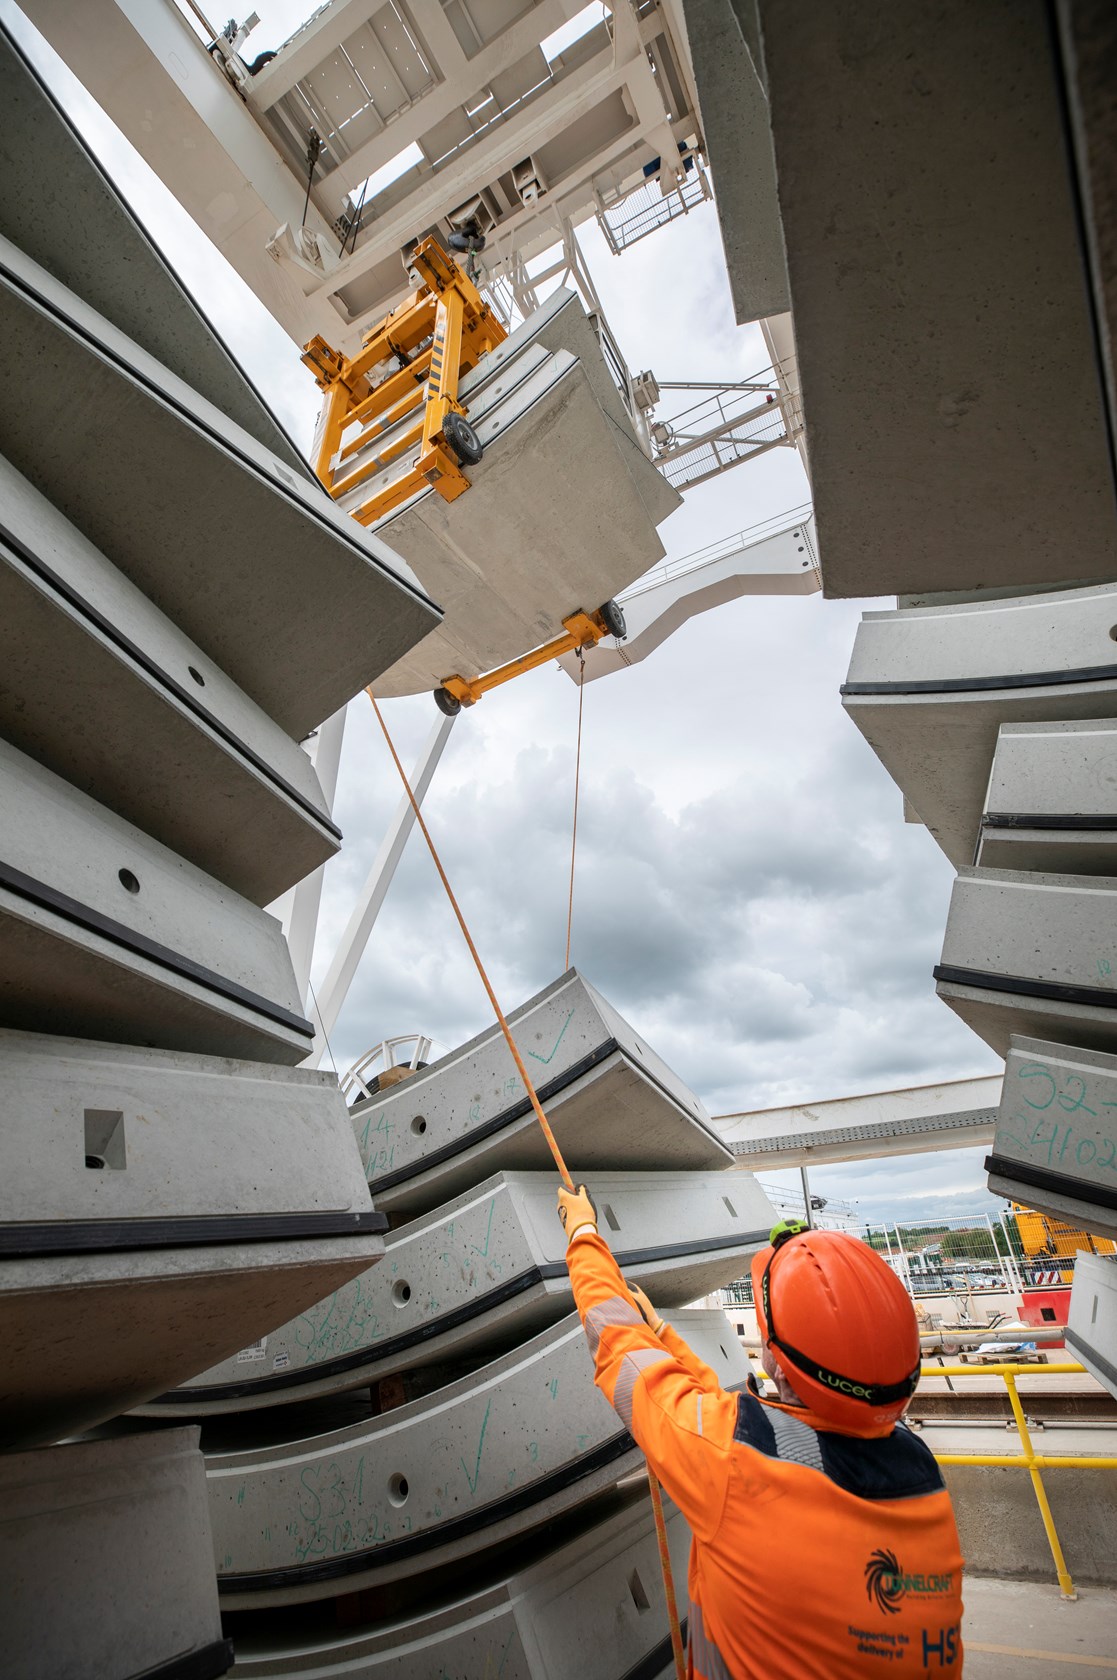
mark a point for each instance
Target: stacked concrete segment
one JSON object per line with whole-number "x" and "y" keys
{"x": 480, "y": 1272}
{"x": 959, "y": 390}
{"x": 483, "y": 1435}
{"x": 585, "y": 1608}
{"x": 179, "y": 604}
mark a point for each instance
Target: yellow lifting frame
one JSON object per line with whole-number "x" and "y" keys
{"x": 581, "y": 629}
{"x": 437, "y": 335}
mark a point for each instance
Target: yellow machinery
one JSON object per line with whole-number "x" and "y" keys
{"x": 410, "y": 364}
{"x": 1043, "y": 1238}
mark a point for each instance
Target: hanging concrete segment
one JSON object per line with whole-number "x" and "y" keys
{"x": 1052, "y": 799}
{"x": 495, "y": 1455}
{"x": 99, "y": 1516}
{"x": 144, "y": 716}
{"x": 929, "y": 688}
{"x": 1055, "y": 1143}
{"x": 592, "y": 1606}
{"x": 614, "y": 1104}
{"x": 142, "y": 441}
{"x": 1031, "y": 954}
{"x": 486, "y": 1270}
{"x": 518, "y": 554}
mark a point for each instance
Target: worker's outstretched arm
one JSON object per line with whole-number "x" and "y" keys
{"x": 662, "y": 1393}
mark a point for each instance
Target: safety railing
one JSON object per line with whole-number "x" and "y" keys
{"x": 1027, "y": 1459}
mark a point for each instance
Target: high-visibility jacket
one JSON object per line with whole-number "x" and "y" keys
{"x": 817, "y": 1555}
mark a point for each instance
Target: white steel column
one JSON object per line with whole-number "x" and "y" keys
{"x": 300, "y": 917}
{"x": 339, "y": 977}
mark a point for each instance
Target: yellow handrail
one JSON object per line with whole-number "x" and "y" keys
{"x": 1028, "y": 1459}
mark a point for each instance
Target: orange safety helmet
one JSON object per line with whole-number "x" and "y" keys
{"x": 841, "y": 1323}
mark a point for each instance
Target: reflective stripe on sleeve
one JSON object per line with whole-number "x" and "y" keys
{"x": 616, "y": 1310}
{"x": 707, "y": 1662}
{"x": 632, "y": 1365}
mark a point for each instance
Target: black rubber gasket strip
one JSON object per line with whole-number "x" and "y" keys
{"x": 1094, "y": 996}
{"x": 979, "y": 685}
{"x": 1061, "y": 1184}
{"x": 61, "y": 904}
{"x": 409, "y": 1545}
{"x": 1084, "y": 1351}
{"x": 206, "y": 1662}
{"x": 576, "y": 1071}
{"x": 476, "y": 1307}
{"x": 117, "y": 1236}
{"x": 505, "y": 1118}
{"x": 294, "y": 491}
{"x": 1095, "y": 822}
{"x": 124, "y": 644}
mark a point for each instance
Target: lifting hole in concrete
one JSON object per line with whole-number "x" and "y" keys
{"x": 401, "y": 1293}
{"x": 1094, "y": 1311}
{"x": 729, "y": 1205}
{"x": 1113, "y": 632}
{"x": 639, "y": 1595}
{"x": 104, "y": 1139}
{"x": 197, "y": 676}
{"x": 128, "y": 881}
{"x": 418, "y": 1125}
{"x": 398, "y": 1490}
{"x": 611, "y": 1219}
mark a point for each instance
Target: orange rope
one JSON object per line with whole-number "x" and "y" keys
{"x": 577, "y": 784}
{"x": 668, "y": 1575}
{"x": 564, "y": 1174}
{"x": 516, "y": 1057}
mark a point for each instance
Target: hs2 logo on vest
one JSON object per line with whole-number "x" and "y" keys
{"x": 886, "y": 1583}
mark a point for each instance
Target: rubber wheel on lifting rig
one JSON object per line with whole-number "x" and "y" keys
{"x": 612, "y": 616}
{"x": 448, "y": 704}
{"x": 463, "y": 440}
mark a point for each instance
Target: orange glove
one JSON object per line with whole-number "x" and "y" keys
{"x": 577, "y": 1212}
{"x": 650, "y": 1316}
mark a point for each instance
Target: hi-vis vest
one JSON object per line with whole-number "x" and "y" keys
{"x": 815, "y": 1555}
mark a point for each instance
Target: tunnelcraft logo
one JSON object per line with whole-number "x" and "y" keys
{"x": 886, "y": 1584}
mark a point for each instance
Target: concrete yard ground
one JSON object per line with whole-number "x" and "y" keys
{"x": 1024, "y": 1630}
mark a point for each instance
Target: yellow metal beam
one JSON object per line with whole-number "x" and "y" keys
{"x": 582, "y": 629}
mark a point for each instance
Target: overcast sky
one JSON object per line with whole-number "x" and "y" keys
{"x": 747, "y": 893}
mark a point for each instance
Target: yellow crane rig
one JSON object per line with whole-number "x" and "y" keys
{"x": 411, "y": 364}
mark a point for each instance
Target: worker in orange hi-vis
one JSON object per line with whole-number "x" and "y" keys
{"x": 824, "y": 1540}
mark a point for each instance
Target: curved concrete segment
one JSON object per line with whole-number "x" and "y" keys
{"x": 549, "y": 417}
{"x": 115, "y": 1134}
{"x": 491, "y": 1457}
{"x": 76, "y": 225}
{"x": 592, "y": 1607}
{"x": 488, "y": 1269}
{"x": 1092, "y": 1321}
{"x": 106, "y": 934}
{"x": 105, "y": 1555}
{"x": 929, "y": 688}
{"x": 614, "y": 1103}
{"x": 1034, "y": 955}
{"x": 89, "y": 1335}
{"x": 144, "y": 717}
{"x": 945, "y": 343}
{"x": 216, "y": 531}
{"x": 1052, "y": 800}
{"x": 1055, "y": 1143}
